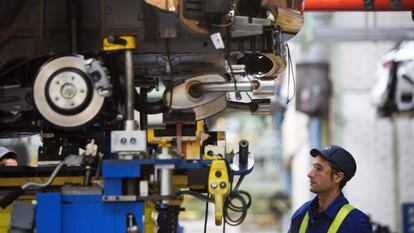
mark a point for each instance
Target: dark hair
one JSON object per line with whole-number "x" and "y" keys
{"x": 335, "y": 170}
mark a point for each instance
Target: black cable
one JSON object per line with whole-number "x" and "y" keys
{"x": 226, "y": 51}
{"x": 229, "y": 24}
{"x": 239, "y": 182}
{"x": 206, "y": 217}
{"x": 11, "y": 69}
{"x": 246, "y": 91}
{"x": 195, "y": 194}
{"x": 230, "y": 204}
{"x": 290, "y": 71}
{"x": 232, "y": 20}
{"x": 167, "y": 45}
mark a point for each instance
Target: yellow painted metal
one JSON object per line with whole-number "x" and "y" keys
{"x": 129, "y": 44}
{"x": 19, "y": 181}
{"x": 150, "y": 225}
{"x": 199, "y": 127}
{"x": 5, "y": 219}
{"x": 151, "y": 136}
{"x": 221, "y": 136}
{"x": 180, "y": 181}
{"x": 191, "y": 149}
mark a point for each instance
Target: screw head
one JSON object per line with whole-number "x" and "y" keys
{"x": 133, "y": 140}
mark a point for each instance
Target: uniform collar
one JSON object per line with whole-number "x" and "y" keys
{"x": 332, "y": 209}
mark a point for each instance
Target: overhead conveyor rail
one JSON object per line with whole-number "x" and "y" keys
{"x": 358, "y": 5}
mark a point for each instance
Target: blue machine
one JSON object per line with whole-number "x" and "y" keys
{"x": 58, "y": 213}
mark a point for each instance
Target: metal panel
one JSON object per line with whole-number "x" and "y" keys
{"x": 121, "y": 168}
{"x": 113, "y": 186}
{"x": 83, "y": 213}
{"x": 48, "y": 213}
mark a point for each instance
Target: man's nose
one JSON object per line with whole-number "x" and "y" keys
{"x": 311, "y": 174}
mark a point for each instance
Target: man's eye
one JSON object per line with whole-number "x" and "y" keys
{"x": 317, "y": 168}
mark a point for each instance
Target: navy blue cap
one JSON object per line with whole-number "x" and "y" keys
{"x": 340, "y": 157}
{"x": 6, "y": 153}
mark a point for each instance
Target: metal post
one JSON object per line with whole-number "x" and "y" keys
{"x": 225, "y": 87}
{"x": 130, "y": 124}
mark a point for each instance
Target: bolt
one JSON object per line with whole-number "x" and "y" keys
{"x": 223, "y": 185}
{"x": 133, "y": 140}
{"x": 123, "y": 140}
{"x": 119, "y": 117}
{"x": 214, "y": 184}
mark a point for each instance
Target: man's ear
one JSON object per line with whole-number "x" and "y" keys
{"x": 338, "y": 177}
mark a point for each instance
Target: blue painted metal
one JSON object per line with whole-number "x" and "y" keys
{"x": 110, "y": 167}
{"x": 57, "y": 213}
{"x": 83, "y": 213}
{"x": 121, "y": 168}
{"x": 408, "y": 217}
{"x": 48, "y": 213}
{"x": 113, "y": 186}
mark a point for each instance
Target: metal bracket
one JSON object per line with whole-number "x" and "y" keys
{"x": 128, "y": 141}
{"x": 134, "y": 198}
{"x": 22, "y": 217}
{"x": 369, "y": 4}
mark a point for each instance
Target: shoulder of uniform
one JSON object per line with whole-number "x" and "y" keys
{"x": 358, "y": 213}
{"x": 301, "y": 210}
{"x": 358, "y": 221}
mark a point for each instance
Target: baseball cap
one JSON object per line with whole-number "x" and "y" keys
{"x": 6, "y": 153}
{"x": 340, "y": 157}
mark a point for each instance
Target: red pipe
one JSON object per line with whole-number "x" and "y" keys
{"x": 355, "y": 5}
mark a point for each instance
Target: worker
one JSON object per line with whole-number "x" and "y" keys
{"x": 7, "y": 157}
{"x": 329, "y": 211}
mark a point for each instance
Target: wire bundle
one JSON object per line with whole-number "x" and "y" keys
{"x": 237, "y": 203}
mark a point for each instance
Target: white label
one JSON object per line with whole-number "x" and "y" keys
{"x": 217, "y": 40}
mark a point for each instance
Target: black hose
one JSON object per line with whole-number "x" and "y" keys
{"x": 10, "y": 197}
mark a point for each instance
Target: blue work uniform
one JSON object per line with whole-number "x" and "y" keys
{"x": 355, "y": 222}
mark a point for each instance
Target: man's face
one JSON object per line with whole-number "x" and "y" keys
{"x": 9, "y": 162}
{"x": 321, "y": 180}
